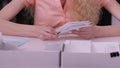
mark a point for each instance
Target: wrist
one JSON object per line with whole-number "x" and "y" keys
{"x": 103, "y": 31}
{"x": 34, "y": 31}
{"x": 98, "y": 32}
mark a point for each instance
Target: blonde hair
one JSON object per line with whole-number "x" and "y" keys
{"x": 86, "y": 10}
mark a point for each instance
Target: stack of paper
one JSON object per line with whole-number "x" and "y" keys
{"x": 72, "y": 26}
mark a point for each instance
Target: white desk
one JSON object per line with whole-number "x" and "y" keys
{"x": 91, "y": 60}
{"x": 33, "y": 54}
{"x": 36, "y": 48}
{"x": 35, "y": 44}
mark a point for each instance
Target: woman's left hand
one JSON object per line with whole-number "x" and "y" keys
{"x": 86, "y": 32}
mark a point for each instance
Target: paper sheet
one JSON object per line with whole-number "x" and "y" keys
{"x": 106, "y": 47}
{"x": 72, "y": 26}
{"x": 82, "y": 46}
{"x": 87, "y": 46}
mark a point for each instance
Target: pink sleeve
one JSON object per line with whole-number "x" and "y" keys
{"x": 28, "y": 2}
{"x": 103, "y": 2}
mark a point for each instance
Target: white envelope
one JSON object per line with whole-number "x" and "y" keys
{"x": 72, "y": 26}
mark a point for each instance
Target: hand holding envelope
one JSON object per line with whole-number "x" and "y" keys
{"x": 72, "y": 26}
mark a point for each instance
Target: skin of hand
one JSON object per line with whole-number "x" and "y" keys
{"x": 45, "y": 33}
{"x": 91, "y": 32}
{"x": 42, "y": 32}
{"x": 86, "y": 32}
{"x": 102, "y": 31}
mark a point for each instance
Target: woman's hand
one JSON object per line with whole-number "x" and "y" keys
{"x": 45, "y": 32}
{"x": 86, "y": 32}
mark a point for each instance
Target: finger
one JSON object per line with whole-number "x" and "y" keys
{"x": 42, "y": 36}
{"x": 75, "y": 32}
{"x": 86, "y": 28}
{"x": 79, "y": 32}
{"x": 50, "y": 30}
{"x": 49, "y": 36}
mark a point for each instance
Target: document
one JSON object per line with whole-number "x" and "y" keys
{"x": 82, "y": 46}
{"x": 87, "y": 46}
{"x": 106, "y": 47}
{"x": 72, "y": 26}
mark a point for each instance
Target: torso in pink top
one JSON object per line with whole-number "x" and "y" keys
{"x": 51, "y": 13}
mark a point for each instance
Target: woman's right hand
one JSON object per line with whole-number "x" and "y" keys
{"x": 44, "y": 32}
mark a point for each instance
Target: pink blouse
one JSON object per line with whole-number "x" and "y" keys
{"x": 51, "y": 13}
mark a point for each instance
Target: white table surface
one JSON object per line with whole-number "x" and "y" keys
{"x": 36, "y": 44}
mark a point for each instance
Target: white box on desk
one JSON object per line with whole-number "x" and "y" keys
{"x": 48, "y": 58}
{"x": 80, "y": 59}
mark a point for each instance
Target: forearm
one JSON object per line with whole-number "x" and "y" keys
{"x": 9, "y": 28}
{"x": 107, "y": 31}
{"x": 11, "y": 9}
{"x": 114, "y": 8}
